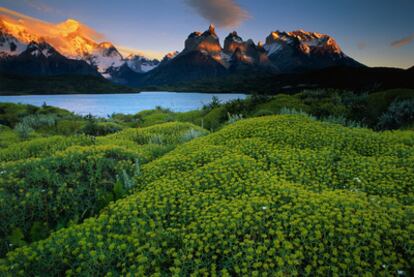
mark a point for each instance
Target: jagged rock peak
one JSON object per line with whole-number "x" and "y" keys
{"x": 207, "y": 42}
{"x": 212, "y": 29}
{"x": 170, "y": 55}
{"x": 233, "y": 36}
{"x": 307, "y": 41}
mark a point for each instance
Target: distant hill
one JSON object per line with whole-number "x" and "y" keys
{"x": 19, "y": 85}
{"x": 350, "y": 78}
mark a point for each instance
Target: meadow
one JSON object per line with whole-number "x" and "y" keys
{"x": 316, "y": 183}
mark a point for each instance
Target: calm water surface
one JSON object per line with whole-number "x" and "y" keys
{"x": 106, "y": 104}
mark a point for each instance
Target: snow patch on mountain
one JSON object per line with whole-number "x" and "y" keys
{"x": 141, "y": 64}
{"x": 9, "y": 46}
{"x": 272, "y": 48}
{"x": 104, "y": 56}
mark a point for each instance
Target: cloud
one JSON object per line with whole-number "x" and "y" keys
{"x": 223, "y": 13}
{"x": 403, "y": 41}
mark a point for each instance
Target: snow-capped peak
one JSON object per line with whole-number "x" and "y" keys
{"x": 306, "y": 41}
{"x": 141, "y": 64}
{"x": 104, "y": 56}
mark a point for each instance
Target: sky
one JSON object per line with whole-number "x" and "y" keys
{"x": 374, "y": 32}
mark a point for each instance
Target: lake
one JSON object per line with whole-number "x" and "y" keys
{"x": 103, "y": 105}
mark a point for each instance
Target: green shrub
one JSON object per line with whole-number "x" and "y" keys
{"x": 171, "y": 133}
{"x": 399, "y": 113}
{"x": 71, "y": 185}
{"x": 195, "y": 117}
{"x": 357, "y": 106}
{"x": 56, "y": 189}
{"x": 278, "y": 196}
{"x": 343, "y": 121}
{"x": 262, "y": 112}
{"x": 153, "y": 117}
{"x": 8, "y": 137}
{"x": 286, "y": 111}
{"x": 214, "y": 103}
{"x": 378, "y": 102}
{"x": 275, "y": 104}
{"x": 233, "y": 118}
{"x": 192, "y": 134}
{"x": 69, "y": 127}
{"x": 11, "y": 114}
{"x": 23, "y": 130}
{"x": 40, "y": 120}
{"x": 42, "y": 147}
{"x": 215, "y": 118}
{"x": 95, "y": 128}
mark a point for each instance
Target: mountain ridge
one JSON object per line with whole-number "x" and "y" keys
{"x": 203, "y": 57}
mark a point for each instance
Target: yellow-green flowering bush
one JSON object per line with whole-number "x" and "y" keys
{"x": 40, "y": 192}
{"x": 41, "y": 147}
{"x": 272, "y": 196}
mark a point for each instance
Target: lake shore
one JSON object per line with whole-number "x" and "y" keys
{"x": 102, "y": 105}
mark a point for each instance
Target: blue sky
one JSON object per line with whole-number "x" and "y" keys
{"x": 365, "y": 29}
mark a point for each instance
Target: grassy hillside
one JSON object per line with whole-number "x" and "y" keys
{"x": 278, "y": 195}
{"x": 21, "y": 85}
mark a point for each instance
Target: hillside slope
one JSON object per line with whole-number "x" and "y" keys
{"x": 282, "y": 195}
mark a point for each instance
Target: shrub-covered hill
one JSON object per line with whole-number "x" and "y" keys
{"x": 49, "y": 183}
{"x": 271, "y": 196}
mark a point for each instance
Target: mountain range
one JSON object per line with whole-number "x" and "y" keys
{"x": 70, "y": 50}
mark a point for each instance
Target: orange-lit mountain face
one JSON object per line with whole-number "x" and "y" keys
{"x": 308, "y": 42}
{"x": 71, "y": 38}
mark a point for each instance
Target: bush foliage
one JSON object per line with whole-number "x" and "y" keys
{"x": 54, "y": 182}
{"x": 283, "y": 195}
